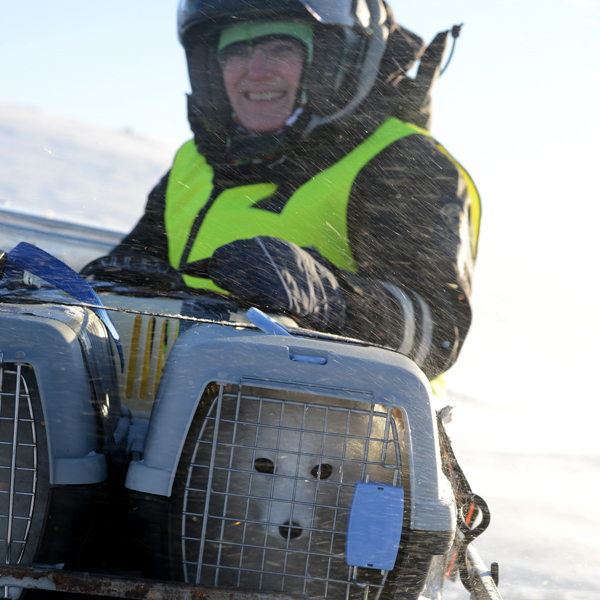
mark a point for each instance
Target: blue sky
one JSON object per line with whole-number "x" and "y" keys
{"x": 118, "y": 63}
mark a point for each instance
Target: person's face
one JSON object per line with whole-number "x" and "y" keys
{"x": 262, "y": 81}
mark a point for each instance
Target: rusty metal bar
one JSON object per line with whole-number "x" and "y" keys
{"x": 483, "y": 585}
{"x": 123, "y": 587}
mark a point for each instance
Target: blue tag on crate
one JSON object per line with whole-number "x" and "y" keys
{"x": 374, "y": 525}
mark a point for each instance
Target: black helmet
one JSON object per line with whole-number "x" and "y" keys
{"x": 350, "y": 41}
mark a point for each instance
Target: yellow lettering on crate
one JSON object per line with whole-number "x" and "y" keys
{"x": 133, "y": 354}
{"x": 147, "y": 358}
{"x": 162, "y": 353}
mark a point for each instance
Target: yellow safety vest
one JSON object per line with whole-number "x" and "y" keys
{"x": 315, "y": 215}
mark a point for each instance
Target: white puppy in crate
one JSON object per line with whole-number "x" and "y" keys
{"x": 285, "y": 465}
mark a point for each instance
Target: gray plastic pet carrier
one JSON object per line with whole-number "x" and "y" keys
{"x": 57, "y": 412}
{"x": 292, "y": 464}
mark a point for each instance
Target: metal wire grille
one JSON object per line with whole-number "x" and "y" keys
{"x": 269, "y": 490}
{"x": 18, "y": 464}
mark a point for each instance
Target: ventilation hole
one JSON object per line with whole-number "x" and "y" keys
{"x": 293, "y": 532}
{"x": 326, "y": 471}
{"x": 264, "y": 465}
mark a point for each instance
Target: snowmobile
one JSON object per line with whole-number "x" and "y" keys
{"x": 165, "y": 444}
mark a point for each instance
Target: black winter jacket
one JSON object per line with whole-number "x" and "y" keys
{"x": 409, "y": 232}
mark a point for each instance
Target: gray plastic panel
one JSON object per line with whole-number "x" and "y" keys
{"x": 45, "y": 338}
{"x": 213, "y": 353}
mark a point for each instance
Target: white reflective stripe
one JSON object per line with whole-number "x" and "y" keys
{"x": 408, "y": 338}
{"x": 312, "y": 297}
{"x": 427, "y": 327}
{"x": 285, "y": 287}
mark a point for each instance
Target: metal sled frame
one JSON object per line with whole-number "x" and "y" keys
{"x": 484, "y": 587}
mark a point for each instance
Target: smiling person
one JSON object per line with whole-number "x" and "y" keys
{"x": 312, "y": 186}
{"x": 262, "y": 64}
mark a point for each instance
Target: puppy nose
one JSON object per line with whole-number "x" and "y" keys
{"x": 290, "y": 530}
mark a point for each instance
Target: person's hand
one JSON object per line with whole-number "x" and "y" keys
{"x": 134, "y": 270}
{"x": 279, "y": 276}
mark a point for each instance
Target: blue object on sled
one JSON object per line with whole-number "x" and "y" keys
{"x": 27, "y": 257}
{"x": 374, "y": 525}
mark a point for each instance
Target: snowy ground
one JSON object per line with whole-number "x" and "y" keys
{"x": 72, "y": 171}
{"x": 526, "y": 407}
{"x": 545, "y": 522}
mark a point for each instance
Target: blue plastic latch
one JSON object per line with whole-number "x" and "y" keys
{"x": 265, "y": 322}
{"x": 315, "y": 360}
{"x": 374, "y": 525}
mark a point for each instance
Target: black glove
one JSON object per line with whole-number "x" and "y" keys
{"x": 134, "y": 270}
{"x": 279, "y": 276}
